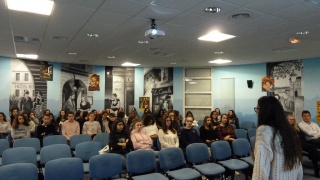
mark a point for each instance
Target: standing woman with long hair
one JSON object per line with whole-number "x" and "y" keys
{"x": 277, "y": 148}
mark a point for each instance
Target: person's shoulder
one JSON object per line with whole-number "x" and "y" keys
{"x": 265, "y": 128}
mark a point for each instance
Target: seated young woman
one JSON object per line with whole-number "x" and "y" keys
{"x": 168, "y": 136}
{"x": 188, "y": 134}
{"x": 119, "y": 138}
{"x": 151, "y": 129}
{"x": 139, "y": 138}
{"x": 224, "y": 130}
{"x": 207, "y": 132}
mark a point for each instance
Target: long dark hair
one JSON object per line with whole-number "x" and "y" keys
{"x": 147, "y": 119}
{"x": 165, "y": 128}
{"x": 16, "y": 123}
{"x": 114, "y": 126}
{"x": 271, "y": 113}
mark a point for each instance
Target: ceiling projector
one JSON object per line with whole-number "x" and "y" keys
{"x": 153, "y": 32}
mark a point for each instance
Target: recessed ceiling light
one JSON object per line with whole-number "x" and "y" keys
{"x": 240, "y": 16}
{"x": 111, "y": 57}
{"x": 220, "y": 61}
{"x": 27, "y": 56}
{"x": 192, "y": 82}
{"x": 212, "y": 9}
{"x": 93, "y": 35}
{"x": 218, "y": 52}
{"x": 130, "y": 64}
{"x": 294, "y": 40}
{"x": 31, "y": 6}
{"x": 216, "y": 36}
{"x": 173, "y": 63}
{"x": 72, "y": 53}
{"x": 302, "y": 33}
{"x": 143, "y": 42}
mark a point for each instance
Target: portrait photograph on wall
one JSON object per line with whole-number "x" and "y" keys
{"x": 143, "y": 103}
{"x": 119, "y": 89}
{"x": 267, "y": 84}
{"x": 158, "y": 84}
{"x": 46, "y": 72}
{"x": 288, "y": 86}
{"x": 94, "y": 84}
{"x": 28, "y": 91}
{"x": 74, "y": 86}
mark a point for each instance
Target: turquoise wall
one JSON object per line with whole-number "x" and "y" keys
{"x": 5, "y": 74}
{"x": 311, "y": 74}
{"x": 245, "y": 98}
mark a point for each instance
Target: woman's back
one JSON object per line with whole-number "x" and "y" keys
{"x": 269, "y": 159}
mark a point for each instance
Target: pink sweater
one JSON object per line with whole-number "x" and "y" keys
{"x": 140, "y": 140}
{"x": 70, "y": 129}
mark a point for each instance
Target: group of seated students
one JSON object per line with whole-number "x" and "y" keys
{"x": 129, "y": 132}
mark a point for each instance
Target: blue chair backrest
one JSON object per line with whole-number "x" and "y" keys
{"x": 251, "y": 132}
{"x": 25, "y": 171}
{"x": 241, "y": 147}
{"x": 54, "y": 151}
{"x": 76, "y": 139}
{"x": 220, "y": 150}
{"x": 99, "y": 163}
{"x": 247, "y": 125}
{"x": 197, "y": 153}
{"x": 140, "y": 161}
{"x": 197, "y": 128}
{"x": 19, "y": 155}
{"x": 103, "y": 138}
{"x": 234, "y": 126}
{"x": 28, "y": 142}
{"x": 171, "y": 158}
{"x": 86, "y": 150}
{"x": 200, "y": 123}
{"x": 55, "y": 139}
{"x": 4, "y": 144}
{"x": 252, "y": 141}
{"x": 241, "y": 133}
{"x": 64, "y": 168}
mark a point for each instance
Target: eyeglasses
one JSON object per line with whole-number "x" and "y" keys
{"x": 256, "y": 109}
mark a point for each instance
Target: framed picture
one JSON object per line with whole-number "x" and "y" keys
{"x": 90, "y": 99}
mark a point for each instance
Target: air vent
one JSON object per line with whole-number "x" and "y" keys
{"x": 240, "y": 16}
{"x": 23, "y": 39}
{"x": 59, "y": 37}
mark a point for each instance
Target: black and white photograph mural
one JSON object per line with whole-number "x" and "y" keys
{"x": 74, "y": 81}
{"x": 158, "y": 85}
{"x": 288, "y": 87}
{"x": 119, "y": 89}
{"x": 28, "y": 90}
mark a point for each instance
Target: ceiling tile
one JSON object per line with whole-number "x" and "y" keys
{"x": 109, "y": 18}
{"x": 271, "y": 6}
{"x": 72, "y": 12}
{"x": 125, "y": 7}
{"x": 92, "y": 4}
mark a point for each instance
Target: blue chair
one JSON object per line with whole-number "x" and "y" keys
{"x": 103, "y": 138}
{"x": 19, "y": 155}
{"x": 54, "y": 151}
{"x": 200, "y": 122}
{"x": 241, "y": 133}
{"x": 252, "y": 141}
{"x": 221, "y": 153}
{"x": 242, "y": 149}
{"x": 99, "y": 163}
{"x": 251, "y": 132}
{"x": 64, "y": 168}
{"x": 55, "y": 139}
{"x": 197, "y": 128}
{"x": 25, "y": 171}
{"x": 4, "y": 145}
{"x": 29, "y": 142}
{"x": 247, "y": 125}
{"x": 172, "y": 162}
{"x": 86, "y": 150}
{"x": 198, "y": 155}
{"x": 141, "y": 165}
{"x": 234, "y": 126}
{"x": 76, "y": 139}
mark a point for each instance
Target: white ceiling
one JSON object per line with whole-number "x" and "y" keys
{"x": 120, "y": 24}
